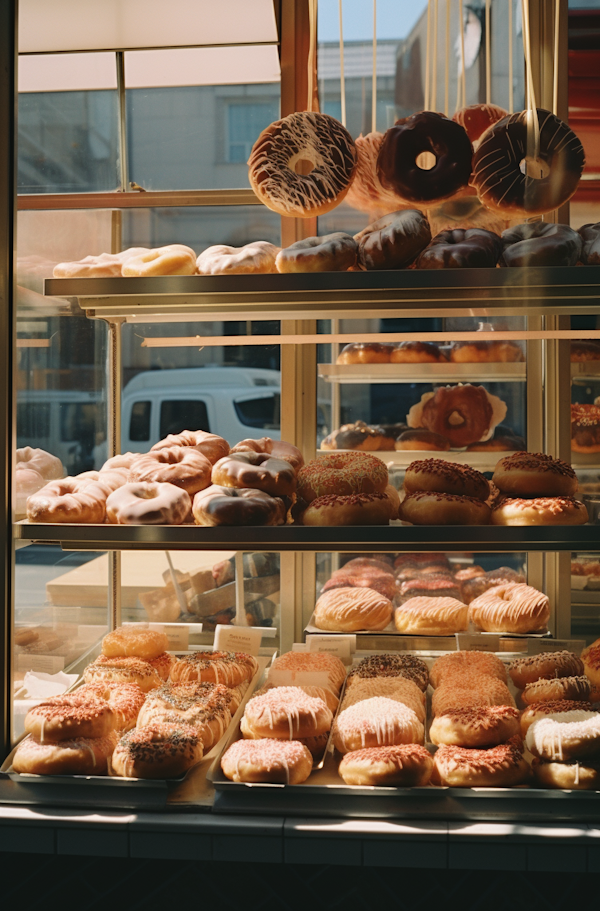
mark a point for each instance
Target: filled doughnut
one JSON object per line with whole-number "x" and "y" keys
{"x": 276, "y": 761}
{"x": 461, "y": 249}
{"x": 476, "y": 728}
{"x": 297, "y": 664}
{"x": 175, "y": 259}
{"x": 439, "y": 476}
{"x": 403, "y": 766}
{"x": 183, "y": 466}
{"x": 540, "y": 243}
{"x": 350, "y": 609}
{"x": 486, "y": 353}
{"x": 422, "y": 440}
{"x": 303, "y": 136}
{"x": 544, "y": 666}
{"x": 342, "y": 474}
{"x": 157, "y": 751}
{"x": 286, "y": 712}
{"x": 134, "y": 642}
{"x": 407, "y": 666}
{"x": 463, "y": 414}
{"x": 500, "y": 173}
{"x": 352, "y": 509}
{"x": 122, "y": 670}
{"x": 365, "y": 353}
{"x": 237, "y": 506}
{"x": 331, "y": 253}
{"x": 253, "y": 258}
{"x": 366, "y": 193}
{"x": 425, "y": 508}
{"x": 209, "y": 444}
{"x": 80, "y": 756}
{"x": 569, "y": 776}
{"x": 393, "y": 241}
{"x": 374, "y": 722}
{"x": 148, "y": 503}
{"x": 68, "y": 716}
{"x": 68, "y": 500}
{"x": 477, "y": 118}
{"x": 417, "y": 353}
{"x": 256, "y": 470}
{"x": 564, "y": 737}
{"x": 590, "y": 251}
{"x": 576, "y": 688}
{"x": 230, "y": 668}
{"x": 502, "y": 766}
{"x": 279, "y": 449}
{"x": 534, "y": 474}
{"x": 447, "y": 141}
{"x": 539, "y": 710}
{"x": 540, "y": 511}
{"x": 510, "y": 608}
{"x": 399, "y": 688}
{"x": 457, "y": 663}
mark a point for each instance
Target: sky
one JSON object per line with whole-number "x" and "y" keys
{"x": 395, "y": 18}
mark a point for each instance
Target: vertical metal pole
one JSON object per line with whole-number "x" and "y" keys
{"x": 114, "y": 384}
{"x": 123, "y": 164}
{"x": 535, "y": 430}
{"x": 8, "y": 170}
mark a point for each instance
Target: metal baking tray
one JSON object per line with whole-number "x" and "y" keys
{"x": 390, "y": 630}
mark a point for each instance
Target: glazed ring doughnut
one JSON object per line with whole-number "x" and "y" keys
{"x": 331, "y": 253}
{"x": 82, "y": 756}
{"x": 279, "y": 449}
{"x": 257, "y": 470}
{"x": 407, "y": 765}
{"x": 462, "y": 414}
{"x": 286, "y": 713}
{"x": 68, "y": 500}
{"x": 441, "y": 476}
{"x": 303, "y": 136}
{"x": 342, "y": 474}
{"x": 540, "y": 511}
{"x": 576, "y": 688}
{"x": 545, "y": 666}
{"x": 237, "y": 506}
{"x": 431, "y": 616}
{"x": 148, "y": 503}
{"x": 356, "y": 509}
{"x": 209, "y": 444}
{"x": 134, "y": 642}
{"x": 564, "y": 737}
{"x": 510, "y": 608}
{"x": 543, "y": 709}
{"x": 70, "y": 715}
{"x": 183, "y": 466}
{"x": 157, "y": 751}
{"x": 174, "y": 259}
{"x": 230, "y": 668}
{"x": 456, "y": 663}
{"x": 376, "y": 722}
{"x": 351, "y": 609}
{"x": 425, "y": 508}
{"x": 569, "y": 776}
{"x": 123, "y": 460}
{"x": 123, "y": 670}
{"x": 277, "y": 761}
{"x": 540, "y": 243}
{"x": 502, "y": 766}
{"x": 49, "y": 467}
{"x": 253, "y": 258}
{"x": 497, "y": 176}
{"x": 534, "y": 474}
{"x": 477, "y": 728}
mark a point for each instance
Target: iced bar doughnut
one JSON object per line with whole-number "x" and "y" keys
{"x": 175, "y": 259}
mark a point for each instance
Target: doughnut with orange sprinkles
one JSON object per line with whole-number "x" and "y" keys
{"x": 341, "y": 474}
{"x": 230, "y": 668}
{"x": 534, "y": 474}
{"x": 540, "y": 511}
{"x": 277, "y": 761}
{"x": 299, "y": 663}
{"x": 481, "y": 726}
{"x": 403, "y": 766}
{"x": 502, "y": 766}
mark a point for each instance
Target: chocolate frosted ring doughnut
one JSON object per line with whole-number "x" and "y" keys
{"x": 540, "y": 243}
{"x": 257, "y": 470}
{"x": 331, "y": 253}
{"x": 590, "y": 252}
{"x": 237, "y": 506}
{"x": 353, "y": 436}
{"x": 402, "y": 144}
{"x": 497, "y": 176}
{"x": 304, "y": 136}
{"x": 459, "y": 249}
{"x": 394, "y": 241}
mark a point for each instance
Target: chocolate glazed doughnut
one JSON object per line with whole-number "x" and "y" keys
{"x": 394, "y": 241}
{"x": 397, "y": 166}
{"x": 497, "y": 176}
{"x": 590, "y": 235}
{"x": 540, "y": 243}
{"x": 457, "y": 249}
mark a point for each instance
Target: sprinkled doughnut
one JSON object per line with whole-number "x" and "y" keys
{"x": 408, "y": 666}
{"x": 470, "y": 690}
{"x": 157, "y": 751}
{"x": 125, "y": 699}
{"x": 209, "y": 444}
{"x": 566, "y": 736}
{"x": 279, "y": 449}
{"x": 80, "y": 756}
{"x": 237, "y": 506}
{"x": 181, "y": 704}
{"x": 257, "y": 470}
{"x": 70, "y": 715}
{"x": 403, "y": 766}
{"x": 253, "y": 258}
{"x": 122, "y": 670}
{"x": 134, "y": 642}
{"x": 286, "y": 712}
{"x": 174, "y": 259}
{"x": 425, "y": 508}
{"x": 534, "y": 474}
{"x": 319, "y": 692}
{"x": 502, "y": 766}
{"x": 148, "y": 503}
{"x": 431, "y": 616}
{"x": 539, "y": 710}
{"x": 331, "y": 253}
{"x": 540, "y": 511}
{"x": 456, "y": 663}
{"x": 373, "y": 722}
{"x": 355, "y": 509}
{"x": 342, "y": 474}
{"x": 183, "y": 466}
{"x": 230, "y": 668}
{"x": 277, "y": 761}
{"x": 576, "y": 688}
{"x": 351, "y": 609}
{"x": 446, "y": 477}
{"x": 162, "y": 664}
{"x": 296, "y": 664}
{"x": 510, "y": 608}
{"x": 303, "y": 136}
{"x": 68, "y": 500}
{"x": 545, "y": 666}
{"x": 399, "y": 688}
{"x": 478, "y": 727}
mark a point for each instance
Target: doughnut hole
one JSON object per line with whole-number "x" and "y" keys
{"x": 534, "y": 167}
{"x": 426, "y": 161}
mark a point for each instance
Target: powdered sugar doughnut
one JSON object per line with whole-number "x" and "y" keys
{"x": 277, "y": 761}
{"x": 174, "y": 259}
{"x": 253, "y": 258}
{"x": 376, "y": 722}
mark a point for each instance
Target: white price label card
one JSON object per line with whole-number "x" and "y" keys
{"x": 299, "y": 647}
{"x": 341, "y": 646}
{"x": 538, "y": 646}
{"x": 48, "y": 664}
{"x": 279, "y": 677}
{"x": 237, "y": 639}
{"x": 177, "y": 634}
{"x": 474, "y": 642}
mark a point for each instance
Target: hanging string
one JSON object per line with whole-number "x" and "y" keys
{"x": 488, "y": 53}
{"x": 374, "y": 92}
{"x": 533, "y": 127}
{"x": 461, "y": 84}
{"x": 434, "y": 58}
{"x": 555, "y": 62}
{"x": 342, "y": 80}
{"x": 447, "y": 62}
{"x": 427, "y": 58}
{"x": 312, "y": 56}
{"x": 511, "y": 103}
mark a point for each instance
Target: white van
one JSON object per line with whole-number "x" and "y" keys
{"x": 67, "y": 424}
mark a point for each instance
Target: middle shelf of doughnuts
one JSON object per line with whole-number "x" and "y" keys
{"x": 425, "y": 373}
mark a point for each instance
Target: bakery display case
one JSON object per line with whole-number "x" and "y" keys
{"x": 466, "y": 365}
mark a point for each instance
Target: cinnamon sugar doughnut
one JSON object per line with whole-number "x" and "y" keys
{"x": 431, "y": 616}
{"x": 350, "y": 609}
{"x": 279, "y": 449}
{"x": 407, "y": 666}
{"x": 479, "y": 727}
{"x": 332, "y": 253}
{"x": 134, "y": 642}
{"x": 256, "y": 470}
{"x": 174, "y": 259}
{"x": 502, "y": 766}
{"x": 510, "y": 608}
{"x": 377, "y": 721}
{"x": 469, "y": 691}
{"x": 80, "y": 756}
{"x": 540, "y": 511}
{"x": 256, "y": 257}
{"x": 456, "y": 663}
{"x": 298, "y": 663}
{"x": 230, "y": 668}
{"x": 566, "y": 736}
{"x": 342, "y": 474}
{"x": 545, "y": 666}
{"x": 277, "y": 761}
{"x": 157, "y": 751}
{"x": 70, "y": 715}
{"x": 576, "y": 688}
{"x": 446, "y": 477}
{"x": 286, "y": 712}
{"x": 403, "y": 766}
{"x": 539, "y": 710}
{"x": 430, "y": 508}
{"x": 125, "y": 699}
{"x": 356, "y": 509}
{"x": 209, "y": 444}
{"x": 570, "y": 776}
{"x": 183, "y": 466}
{"x": 237, "y": 506}
{"x": 534, "y": 474}
{"x": 303, "y": 136}
{"x": 68, "y": 500}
